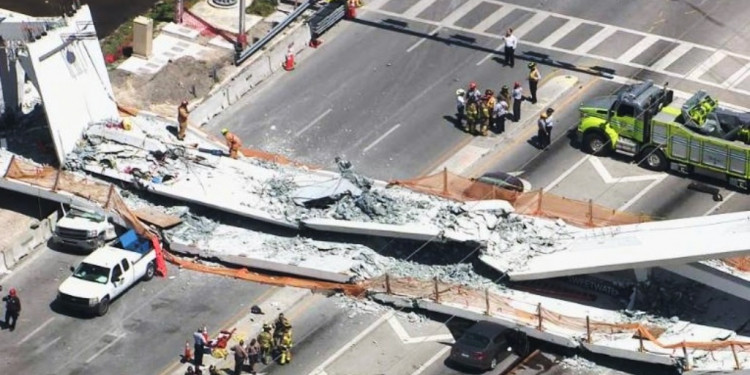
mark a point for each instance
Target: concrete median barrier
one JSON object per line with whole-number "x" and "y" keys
{"x": 26, "y": 242}
{"x": 251, "y": 74}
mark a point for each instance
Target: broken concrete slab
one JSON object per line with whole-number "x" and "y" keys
{"x": 324, "y": 193}
{"x": 643, "y": 245}
{"x": 69, "y": 72}
{"x": 715, "y": 276}
{"x": 157, "y": 218}
{"x": 411, "y": 232}
{"x": 495, "y": 205}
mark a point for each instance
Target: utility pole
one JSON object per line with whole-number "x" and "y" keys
{"x": 179, "y": 7}
{"x": 241, "y": 35}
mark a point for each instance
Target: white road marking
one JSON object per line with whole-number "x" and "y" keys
{"x": 417, "y": 8}
{"x": 381, "y": 138}
{"x": 432, "y": 360}
{"x": 487, "y": 57}
{"x": 638, "y": 48}
{"x": 706, "y": 65}
{"x": 103, "y": 349}
{"x": 675, "y": 54}
{"x": 595, "y": 40}
{"x": 460, "y": 12}
{"x": 641, "y": 193}
{"x": 719, "y": 204}
{"x": 419, "y": 42}
{"x": 43, "y": 348}
{"x": 602, "y": 171}
{"x": 374, "y": 4}
{"x": 405, "y": 338}
{"x": 313, "y": 122}
{"x": 529, "y": 25}
{"x": 737, "y": 77}
{"x": 566, "y": 173}
{"x": 493, "y": 18}
{"x": 560, "y": 33}
{"x": 35, "y": 331}
{"x": 320, "y": 370}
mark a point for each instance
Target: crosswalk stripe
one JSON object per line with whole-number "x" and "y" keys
{"x": 493, "y": 18}
{"x": 737, "y": 77}
{"x": 560, "y": 33}
{"x": 461, "y": 11}
{"x": 595, "y": 40}
{"x": 375, "y": 4}
{"x": 706, "y": 65}
{"x": 417, "y": 8}
{"x": 671, "y": 56}
{"x": 638, "y": 48}
{"x": 530, "y": 24}
{"x": 658, "y": 67}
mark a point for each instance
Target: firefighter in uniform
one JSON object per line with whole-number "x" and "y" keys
{"x": 484, "y": 115}
{"x": 182, "y": 119}
{"x": 534, "y": 77}
{"x": 280, "y": 326}
{"x": 472, "y": 115}
{"x": 491, "y": 101}
{"x": 233, "y": 143}
{"x": 265, "y": 339}
{"x": 286, "y": 346}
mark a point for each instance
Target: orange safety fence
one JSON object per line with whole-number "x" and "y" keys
{"x": 535, "y": 316}
{"x": 243, "y": 274}
{"x": 104, "y": 194}
{"x": 539, "y": 203}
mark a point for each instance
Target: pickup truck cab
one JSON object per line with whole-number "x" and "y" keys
{"x": 107, "y": 273}
{"x": 84, "y": 229}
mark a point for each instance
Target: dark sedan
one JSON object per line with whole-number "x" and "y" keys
{"x": 482, "y": 346}
{"x": 502, "y": 180}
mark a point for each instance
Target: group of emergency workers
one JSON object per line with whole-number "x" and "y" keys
{"x": 276, "y": 341}
{"x": 478, "y": 112}
{"x": 234, "y": 144}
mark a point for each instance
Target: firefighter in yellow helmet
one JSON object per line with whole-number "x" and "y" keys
{"x": 472, "y": 116}
{"x": 485, "y": 113}
{"x": 265, "y": 340}
{"x": 233, "y": 143}
{"x": 182, "y": 119}
{"x": 286, "y": 347}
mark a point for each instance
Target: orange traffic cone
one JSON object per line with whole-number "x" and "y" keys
{"x": 188, "y": 355}
{"x": 289, "y": 61}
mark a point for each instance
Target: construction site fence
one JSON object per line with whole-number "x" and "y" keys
{"x": 537, "y": 316}
{"x": 535, "y": 203}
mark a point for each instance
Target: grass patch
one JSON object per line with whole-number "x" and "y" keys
{"x": 262, "y": 8}
{"x": 162, "y": 11}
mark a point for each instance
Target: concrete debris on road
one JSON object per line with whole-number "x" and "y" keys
{"x": 358, "y": 306}
{"x": 149, "y": 156}
{"x": 577, "y": 363}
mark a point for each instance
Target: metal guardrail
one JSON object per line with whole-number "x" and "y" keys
{"x": 241, "y": 56}
{"x": 326, "y": 17}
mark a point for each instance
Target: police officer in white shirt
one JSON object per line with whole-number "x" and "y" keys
{"x": 500, "y": 113}
{"x": 510, "y": 48}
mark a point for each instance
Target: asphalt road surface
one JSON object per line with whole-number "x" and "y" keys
{"x": 144, "y": 331}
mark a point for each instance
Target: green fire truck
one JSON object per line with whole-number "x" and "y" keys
{"x": 698, "y": 137}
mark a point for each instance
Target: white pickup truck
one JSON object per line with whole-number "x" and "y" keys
{"x": 107, "y": 273}
{"x": 84, "y": 229}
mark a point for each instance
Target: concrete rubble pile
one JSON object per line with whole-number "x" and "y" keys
{"x": 149, "y": 157}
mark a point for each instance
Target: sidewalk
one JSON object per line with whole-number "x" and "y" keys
{"x": 280, "y": 300}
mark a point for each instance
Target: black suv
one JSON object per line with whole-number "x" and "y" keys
{"x": 482, "y": 346}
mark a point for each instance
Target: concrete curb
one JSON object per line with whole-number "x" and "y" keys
{"x": 405, "y": 302}
{"x": 255, "y": 70}
{"x": 26, "y": 243}
{"x": 262, "y": 264}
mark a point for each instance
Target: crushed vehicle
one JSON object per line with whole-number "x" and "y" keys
{"x": 83, "y": 229}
